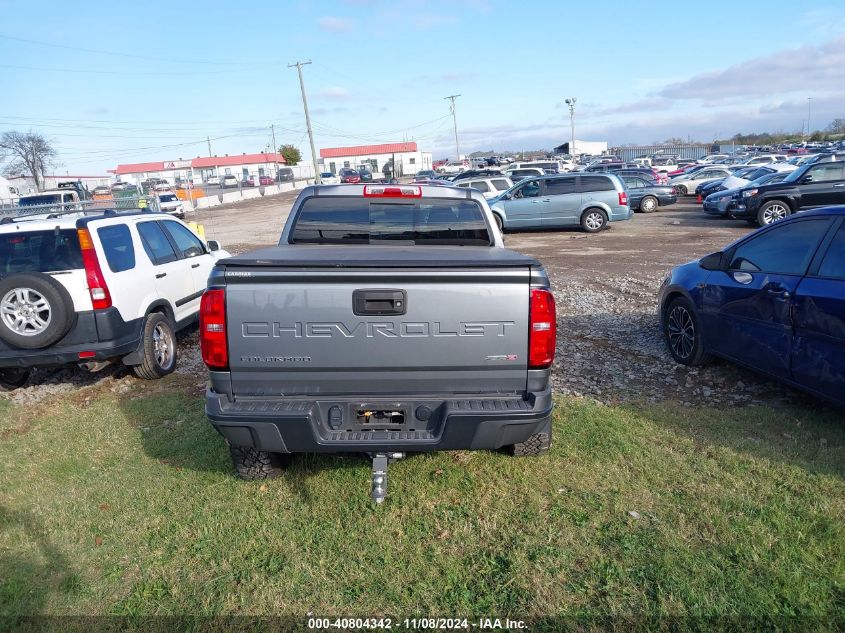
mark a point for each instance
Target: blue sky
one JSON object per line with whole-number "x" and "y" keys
{"x": 158, "y": 77}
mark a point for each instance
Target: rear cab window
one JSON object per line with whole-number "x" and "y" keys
{"x": 432, "y": 221}
{"x": 40, "y": 251}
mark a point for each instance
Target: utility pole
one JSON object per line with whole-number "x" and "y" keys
{"x": 455, "y": 122}
{"x": 208, "y": 140}
{"x": 571, "y": 103}
{"x": 299, "y": 66}
{"x": 273, "y": 132}
{"x": 809, "y": 109}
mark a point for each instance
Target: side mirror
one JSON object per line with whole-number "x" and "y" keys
{"x": 213, "y": 245}
{"x": 713, "y": 261}
{"x": 806, "y": 179}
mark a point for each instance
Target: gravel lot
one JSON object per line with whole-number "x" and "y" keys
{"x": 609, "y": 346}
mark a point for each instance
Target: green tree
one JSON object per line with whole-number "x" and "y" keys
{"x": 291, "y": 154}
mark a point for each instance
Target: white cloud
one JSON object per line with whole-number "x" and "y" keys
{"x": 336, "y": 93}
{"x": 426, "y": 21}
{"x": 335, "y": 24}
{"x": 806, "y": 69}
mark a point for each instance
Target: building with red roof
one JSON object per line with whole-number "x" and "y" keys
{"x": 199, "y": 169}
{"x": 406, "y": 156}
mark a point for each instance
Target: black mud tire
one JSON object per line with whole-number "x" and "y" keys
{"x": 57, "y": 309}
{"x": 12, "y": 378}
{"x": 682, "y": 333}
{"x": 536, "y": 444}
{"x": 252, "y": 464}
{"x": 499, "y": 223}
{"x": 649, "y": 204}
{"x": 158, "y": 334}
{"x": 594, "y": 220}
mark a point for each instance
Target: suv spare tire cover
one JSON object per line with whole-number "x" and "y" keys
{"x": 35, "y": 310}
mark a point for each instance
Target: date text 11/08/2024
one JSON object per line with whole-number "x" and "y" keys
{"x": 484, "y": 624}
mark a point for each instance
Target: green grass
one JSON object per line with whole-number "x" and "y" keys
{"x": 129, "y": 507}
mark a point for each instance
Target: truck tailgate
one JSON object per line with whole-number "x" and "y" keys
{"x": 360, "y": 326}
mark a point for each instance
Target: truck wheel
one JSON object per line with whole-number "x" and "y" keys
{"x": 159, "y": 348}
{"x": 593, "y": 220}
{"x": 13, "y": 377}
{"x": 537, "y": 444}
{"x": 252, "y": 463}
{"x": 35, "y": 310}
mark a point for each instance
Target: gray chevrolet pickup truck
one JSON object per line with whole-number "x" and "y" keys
{"x": 390, "y": 319}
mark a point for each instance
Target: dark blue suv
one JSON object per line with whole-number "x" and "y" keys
{"x": 774, "y": 301}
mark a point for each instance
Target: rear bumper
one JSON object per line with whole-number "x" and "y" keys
{"x": 103, "y": 332}
{"x": 302, "y": 426}
{"x": 618, "y": 214}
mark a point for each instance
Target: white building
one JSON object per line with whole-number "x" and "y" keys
{"x": 407, "y": 158}
{"x": 583, "y": 147}
{"x": 199, "y": 169}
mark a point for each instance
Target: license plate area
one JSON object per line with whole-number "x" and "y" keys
{"x": 378, "y": 418}
{"x": 363, "y": 416}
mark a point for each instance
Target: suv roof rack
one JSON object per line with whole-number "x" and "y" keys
{"x": 88, "y": 214}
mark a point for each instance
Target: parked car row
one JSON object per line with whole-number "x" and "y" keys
{"x": 770, "y": 195}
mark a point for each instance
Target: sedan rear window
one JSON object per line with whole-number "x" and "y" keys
{"x": 40, "y": 251}
{"x": 432, "y": 221}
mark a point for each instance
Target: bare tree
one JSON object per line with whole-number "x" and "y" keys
{"x": 837, "y": 126}
{"x": 27, "y": 152}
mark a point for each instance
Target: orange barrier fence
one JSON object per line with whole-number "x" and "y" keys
{"x": 193, "y": 193}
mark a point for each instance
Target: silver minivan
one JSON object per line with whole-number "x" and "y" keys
{"x": 590, "y": 201}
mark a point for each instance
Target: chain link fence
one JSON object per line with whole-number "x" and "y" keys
{"x": 43, "y": 205}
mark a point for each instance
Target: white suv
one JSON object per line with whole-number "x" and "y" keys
{"x": 93, "y": 288}
{"x": 489, "y": 187}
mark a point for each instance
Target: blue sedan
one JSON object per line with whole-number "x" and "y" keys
{"x": 773, "y": 301}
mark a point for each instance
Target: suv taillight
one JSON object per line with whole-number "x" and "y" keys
{"x": 623, "y": 198}
{"x": 213, "y": 344}
{"x": 542, "y": 329}
{"x": 99, "y": 291}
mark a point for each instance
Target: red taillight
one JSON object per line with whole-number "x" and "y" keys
{"x": 402, "y": 191}
{"x": 99, "y": 291}
{"x": 213, "y": 344}
{"x": 542, "y": 329}
{"x": 623, "y": 198}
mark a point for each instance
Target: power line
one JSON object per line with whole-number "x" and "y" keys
{"x": 27, "y": 118}
{"x": 92, "y": 71}
{"x": 128, "y": 55}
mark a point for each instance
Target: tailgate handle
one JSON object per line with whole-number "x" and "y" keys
{"x": 379, "y": 302}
